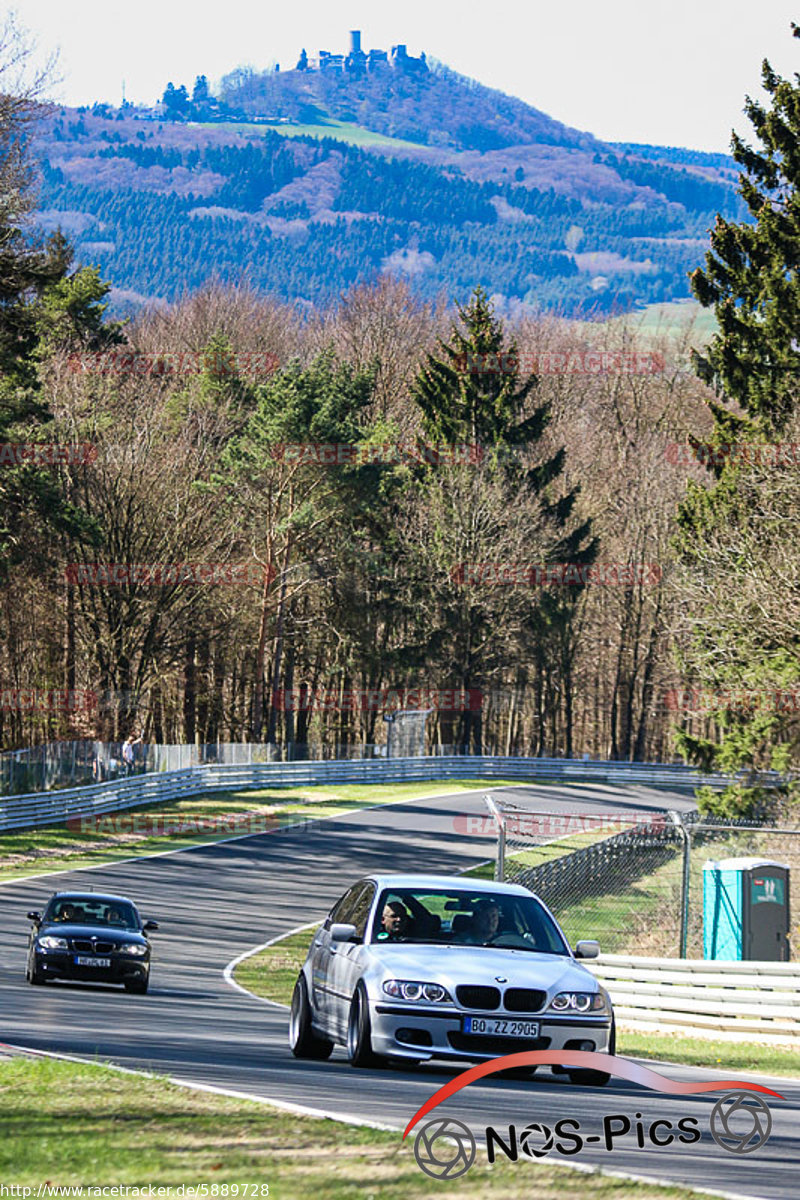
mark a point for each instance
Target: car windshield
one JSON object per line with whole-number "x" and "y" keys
{"x": 462, "y": 917}
{"x": 88, "y": 910}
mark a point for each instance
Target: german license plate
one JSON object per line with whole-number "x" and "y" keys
{"x": 500, "y": 1027}
{"x": 84, "y": 961}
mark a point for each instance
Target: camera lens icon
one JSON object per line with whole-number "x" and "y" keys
{"x": 444, "y": 1149}
{"x": 536, "y": 1140}
{"x": 740, "y": 1122}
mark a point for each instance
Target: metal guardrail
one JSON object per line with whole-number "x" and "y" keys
{"x": 49, "y": 808}
{"x": 760, "y": 1000}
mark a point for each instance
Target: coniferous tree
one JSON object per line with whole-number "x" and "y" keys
{"x": 730, "y": 533}
{"x": 37, "y": 303}
{"x": 472, "y": 393}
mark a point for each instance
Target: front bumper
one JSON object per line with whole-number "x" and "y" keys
{"x": 60, "y": 964}
{"x": 421, "y": 1033}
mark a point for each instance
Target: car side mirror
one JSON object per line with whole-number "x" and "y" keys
{"x": 150, "y": 926}
{"x": 35, "y": 917}
{"x": 342, "y": 933}
{"x": 587, "y": 949}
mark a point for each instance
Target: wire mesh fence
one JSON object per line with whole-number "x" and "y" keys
{"x": 633, "y": 880}
{"x": 406, "y": 737}
{"x": 68, "y": 764}
{"x": 77, "y": 763}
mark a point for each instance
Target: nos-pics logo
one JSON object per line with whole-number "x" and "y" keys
{"x": 740, "y": 1122}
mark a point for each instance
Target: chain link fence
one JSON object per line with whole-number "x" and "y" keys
{"x": 77, "y": 763}
{"x": 69, "y": 764}
{"x": 406, "y": 732}
{"x": 632, "y": 880}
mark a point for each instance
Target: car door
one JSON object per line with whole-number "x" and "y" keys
{"x": 323, "y": 956}
{"x": 347, "y": 959}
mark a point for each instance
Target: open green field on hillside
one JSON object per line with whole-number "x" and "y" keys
{"x": 343, "y": 131}
{"x": 671, "y": 319}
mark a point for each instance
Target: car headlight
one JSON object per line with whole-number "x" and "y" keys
{"x": 581, "y": 1002}
{"x": 409, "y": 989}
{"x": 133, "y": 948}
{"x": 53, "y": 943}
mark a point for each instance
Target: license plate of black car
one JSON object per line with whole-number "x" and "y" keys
{"x": 501, "y": 1027}
{"x": 81, "y": 960}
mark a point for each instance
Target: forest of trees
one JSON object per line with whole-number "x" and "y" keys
{"x": 356, "y": 583}
{"x": 563, "y": 556}
{"x": 153, "y": 237}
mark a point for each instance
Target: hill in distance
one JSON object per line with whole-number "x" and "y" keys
{"x": 308, "y": 181}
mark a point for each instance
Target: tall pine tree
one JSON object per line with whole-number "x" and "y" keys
{"x": 471, "y": 393}
{"x": 733, "y": 535}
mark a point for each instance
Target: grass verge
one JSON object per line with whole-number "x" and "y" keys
{"x": 272, "y": 972}
{"x": 76, "y": 1124}
{"x": 119, "y": 835}
{"x": 702, "y": 1052}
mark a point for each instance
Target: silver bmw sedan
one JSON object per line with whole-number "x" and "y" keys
{"x": 414, "y": 967}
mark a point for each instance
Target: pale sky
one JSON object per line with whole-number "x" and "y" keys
{"x": 619, "y": 69}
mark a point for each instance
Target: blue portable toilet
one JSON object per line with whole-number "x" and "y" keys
{"x": 746, "y": 910}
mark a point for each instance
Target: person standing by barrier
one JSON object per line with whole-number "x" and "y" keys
{"x": 128, "y": 753}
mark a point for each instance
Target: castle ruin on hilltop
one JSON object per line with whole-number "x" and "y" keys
{"x": 357, "y": 62}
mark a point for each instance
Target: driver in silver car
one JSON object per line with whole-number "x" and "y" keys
{"x": 394, "y": 920}
{"x": 485, "y": 923}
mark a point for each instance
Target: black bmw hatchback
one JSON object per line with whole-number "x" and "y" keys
{"x": 90, "y": 936}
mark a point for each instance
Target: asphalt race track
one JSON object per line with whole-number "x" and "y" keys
{"x": 216, "y": 902}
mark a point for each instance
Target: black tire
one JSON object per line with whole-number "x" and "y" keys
{"x": 137, "y": 986}
{"x": 303, "y": 1042}
{"x": 596, "y": 1078}
{"x": 37, "y": 978}
{"x": 359, "y": 1038}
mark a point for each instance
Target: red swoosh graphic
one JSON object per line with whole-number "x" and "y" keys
{"x": 584, "y": 1059}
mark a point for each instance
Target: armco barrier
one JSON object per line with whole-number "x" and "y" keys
{"x": 48, "y": 808}
{"x": 759, "y": 1001}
